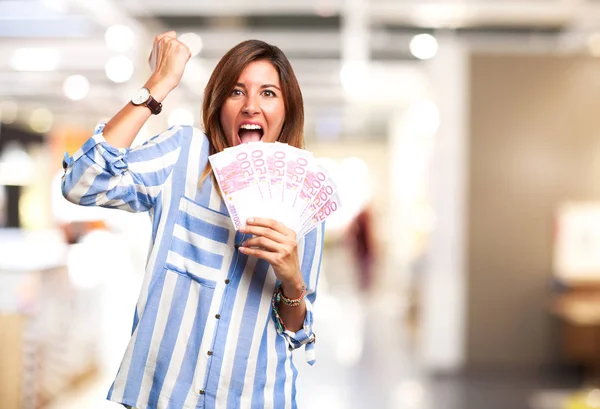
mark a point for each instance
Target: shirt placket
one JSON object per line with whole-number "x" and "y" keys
{"x": 219, "y": 327}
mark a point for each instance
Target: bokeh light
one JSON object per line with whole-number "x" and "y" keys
{"x": 119, "y": 68}
{"x": 76, "y": 87}
{"x": 424, "y": 46}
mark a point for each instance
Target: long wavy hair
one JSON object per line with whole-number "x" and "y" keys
{"x": 221, "y": 84}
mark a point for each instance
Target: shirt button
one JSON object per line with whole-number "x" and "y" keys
{"x": 209, "y": 353}
{"x": 201, "y": 391}
{"x": 218, "y": 316}
{"x": 226, "y": 281}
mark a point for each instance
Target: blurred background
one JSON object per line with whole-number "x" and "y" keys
{"x": 464, "y": 268}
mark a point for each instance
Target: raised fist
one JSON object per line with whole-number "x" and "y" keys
{"x": 168, "y": 58}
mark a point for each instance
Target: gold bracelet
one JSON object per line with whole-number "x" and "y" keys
{"x": 290, "y": 302}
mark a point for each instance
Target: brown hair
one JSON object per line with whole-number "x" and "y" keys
{"x": 223, "y": 80}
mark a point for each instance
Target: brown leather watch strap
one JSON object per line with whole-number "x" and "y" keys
{"x": 154, "y": 106}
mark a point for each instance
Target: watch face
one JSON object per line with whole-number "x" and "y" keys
{"x": 140, "y": 96}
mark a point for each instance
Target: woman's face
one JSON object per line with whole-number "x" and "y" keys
{"x": 254, "y": 111}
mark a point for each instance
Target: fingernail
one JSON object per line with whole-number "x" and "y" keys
{"x": 243, "y": 244}
{"x": 251, "y": 220}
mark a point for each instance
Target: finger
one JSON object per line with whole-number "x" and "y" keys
{"x": 263, "y": 242}
{"x": 271, "y": 223}
{"x": 161, "y": 36}
{"x": 266, "y": 232}
{"x": 171, "y": 34}
{"x": 169, "y": 43}
{"x": 161, "y": 40}
{"x": 155, "y": 45}
{"x": 181, "y": 46}
{"x": 186, "y": 48}
{"x": 262, "y": 254}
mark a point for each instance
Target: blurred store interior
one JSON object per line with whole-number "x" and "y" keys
{"x": 464, "y": 269}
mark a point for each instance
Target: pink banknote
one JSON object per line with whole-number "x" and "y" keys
{"x": 236, "y": 177}
{"x": 297, "y": 163}
{"x": 312, "y": 184}
{"x": 328, "y": 208}
{"x": 327, "y": 190}
{"x": 276, "y": 154}
{"x": 277, "y": 181}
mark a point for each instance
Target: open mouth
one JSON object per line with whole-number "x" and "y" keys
{"x": 250, "y": 133}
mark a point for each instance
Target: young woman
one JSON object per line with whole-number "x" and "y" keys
{"x": 215, "y": 323}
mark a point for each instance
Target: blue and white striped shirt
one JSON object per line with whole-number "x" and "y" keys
{"x": 204, "y": 335}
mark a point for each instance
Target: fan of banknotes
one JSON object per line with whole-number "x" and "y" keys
{"x": 274, "y": 180}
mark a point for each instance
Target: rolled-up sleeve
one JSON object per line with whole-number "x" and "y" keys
{"x": 311, "y": 252}
{"x": 131, "y": 179}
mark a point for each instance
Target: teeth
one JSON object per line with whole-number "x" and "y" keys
{"x": 250, "y": 126}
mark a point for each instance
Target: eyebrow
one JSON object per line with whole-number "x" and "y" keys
{"x": 241, "y": 84}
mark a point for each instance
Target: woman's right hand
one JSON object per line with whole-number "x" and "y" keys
{"x": 170, "y": 56}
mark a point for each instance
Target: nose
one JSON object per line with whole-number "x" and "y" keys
{"x": 250, "y": 106}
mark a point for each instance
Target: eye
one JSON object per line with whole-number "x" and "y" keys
{"x": 237, "y": 92}
{"x": 269, "y": 93}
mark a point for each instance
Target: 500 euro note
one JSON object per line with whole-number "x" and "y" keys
{"x": 277, "y": 181}
{"x": 235, "y": 174}
{"x": 311, "y": 186}
{"x": 328, "y": 208}
{"x": 258, "y": 157}
{"x": 297, "y": 164}
{"x": 327, "y": 190}
{"x": 275, "y": 155}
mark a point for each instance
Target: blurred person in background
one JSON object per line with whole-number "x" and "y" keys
{"x": 215, "y": 323}
{"x": 362, "y": 243}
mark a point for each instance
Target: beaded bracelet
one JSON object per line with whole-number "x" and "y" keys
{"x": 292, "y": 303}
{"x": 278, "y": 297}
{"x": 275, "y": 310}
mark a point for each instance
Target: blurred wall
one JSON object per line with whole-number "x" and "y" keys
{"x": 534, "y": 142}
{"x": 443, "y": 284}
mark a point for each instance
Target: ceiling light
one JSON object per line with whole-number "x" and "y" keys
{"x": 35, "y": 59}
{"x": 193, "y": 41}
{"x": 40, "y": 120}
{"x": 119, "y": 38}
{"x": 424, "y": 46}
{"x": 76, "y": 87}
{"x": 119, "y": 68}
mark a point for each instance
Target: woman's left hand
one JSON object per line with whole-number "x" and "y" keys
{"x": 277, "y": 245}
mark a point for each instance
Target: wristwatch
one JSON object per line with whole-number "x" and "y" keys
{"x": 142, "y": 97}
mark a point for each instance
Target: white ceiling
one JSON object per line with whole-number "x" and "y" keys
{"x": 317, "y": 35}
